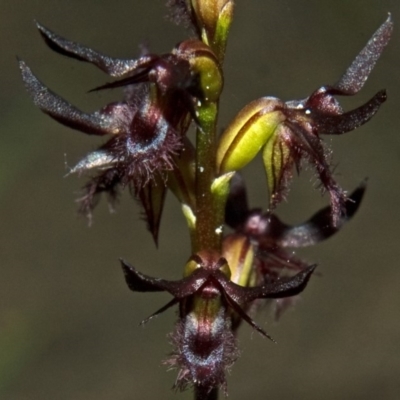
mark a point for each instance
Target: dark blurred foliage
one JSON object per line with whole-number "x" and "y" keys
{"x": 68, "y": 324}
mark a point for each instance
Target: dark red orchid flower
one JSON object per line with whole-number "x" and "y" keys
{"x": 290, "y": 132}
{"x": 145, "y": 132}
{"x": 321, "y": 114}
{"x": 204, "y": 343}
{"x": 147, "y": 128}
{"x": 272, "y": 239}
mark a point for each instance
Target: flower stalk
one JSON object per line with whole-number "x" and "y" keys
{"x": 207, "y": 218}
{"x": 148, "y": 150}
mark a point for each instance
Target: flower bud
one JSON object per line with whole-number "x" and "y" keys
{"x": 214, "y": 18}
{"x": 248, "y": 133}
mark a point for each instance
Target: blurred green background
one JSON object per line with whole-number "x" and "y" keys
{"x": 69, "y": 325}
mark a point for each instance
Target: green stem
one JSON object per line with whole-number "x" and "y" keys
{"x": 208, "y": 217}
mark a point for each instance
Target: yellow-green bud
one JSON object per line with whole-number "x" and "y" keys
{"x": 248, "y": 133}
{"x": 214, "y": 18}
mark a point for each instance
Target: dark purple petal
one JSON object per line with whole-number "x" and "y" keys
{"x": 356, "y": 75}
{"x": 319, "y": 227}
{"x": 170, "y": 72}
{"x": 112, "y": 66}
{"x": 97, "y": 123}
{"x": 140, "y": 77}
{"x": 338, "y": 124}
{"x": 139, "y": 282}
{"x": 284, "y": 287}
{"x": 152, "y": 198}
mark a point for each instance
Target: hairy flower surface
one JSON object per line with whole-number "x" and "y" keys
{"x": 204, "y": 343}
{"x": 146, "y": 128}
{"x": 288, "y": 132}
{"x": 270, "y": 241}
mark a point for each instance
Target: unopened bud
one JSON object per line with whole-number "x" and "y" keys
{"x": 214, "y": 18}
{"x": 248, "y": 133}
